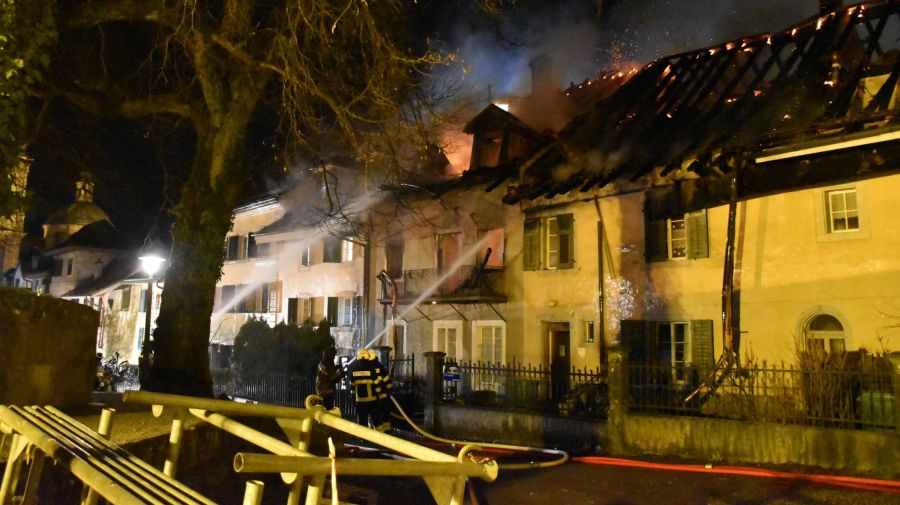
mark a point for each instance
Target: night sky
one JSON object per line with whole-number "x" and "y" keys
{"x": 138, "y": 165}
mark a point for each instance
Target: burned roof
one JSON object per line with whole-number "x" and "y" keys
{"x": 99, "y": 235}
{"x": 830, "y": 75}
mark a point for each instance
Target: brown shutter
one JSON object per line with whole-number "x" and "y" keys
{"x": 697, "y": 232}
{"x": 531, "y": 247}
{"x": 656, "y": 242}
{"x": 702, "y": 348}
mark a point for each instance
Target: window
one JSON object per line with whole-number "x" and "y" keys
{"x": 681, "y": 237}
{"x": 142, "y": 307}
{"x": 235, "y": 248}
{"x": 331, "y": 310}
{"x": 493, "y": 240}
{"x": 589, "y": 332}
{"x": 57, "y": 267}
{"x": 671, "y": 342}
{"x": 274, "y": 289}
{"x": 332, "y": 253}
{"x": 299, "y": 310}
{"x": 345, "y": 311}
{"x": 842, "y": 210}
{"x": 447, "y": 336}
{"x": 125, "y": 298}
{"x": 824, "y": 333}
{"x": 252, "y": 248}
{"x": 69, "y": 267}
{"x": 304, "y": 256}
{"x": 489, "y": 342}
{"x": 393, "y": 252}
{"x": 228, "y": 304}
{"x": 346, "y": 250}
{"x": 549, "y": 243}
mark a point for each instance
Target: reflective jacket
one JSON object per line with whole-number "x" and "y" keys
{"x": 383, "y": 384}
{"x": 363, "y": 376}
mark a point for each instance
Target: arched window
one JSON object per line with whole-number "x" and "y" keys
{"x": 825, "y": 333}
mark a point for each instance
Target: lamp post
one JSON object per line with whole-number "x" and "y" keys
{"x": 150, "y": 264}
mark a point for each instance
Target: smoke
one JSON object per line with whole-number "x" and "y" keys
{"x": 583, "y": 41}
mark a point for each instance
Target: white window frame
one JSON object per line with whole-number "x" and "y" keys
{"x": 678, "y": 367}
{"x": 589, "y": 331}
{"x": 822, "y": 207}
{"x": 671, "y": 240}
{"x": 345, "y": 310}
{"x": 831, "y": 215}
{"x": 478, "y": 348}
{"x": 552, "y": 241}
{"x": 448, "y": 325}
{"x": 346, "y": 251}
{"x": 304, "y": 308}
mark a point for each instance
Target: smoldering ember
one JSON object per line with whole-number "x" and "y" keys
{"x": 498, "y": 251}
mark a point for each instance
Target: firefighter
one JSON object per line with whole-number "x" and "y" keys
{"x": 362, "y": 381}
{"x": 383, "y": 388}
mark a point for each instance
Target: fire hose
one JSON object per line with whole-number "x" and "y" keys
{"x": 561, "y": 456}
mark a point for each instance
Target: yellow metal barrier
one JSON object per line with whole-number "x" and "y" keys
{"x": 445, "y": 475}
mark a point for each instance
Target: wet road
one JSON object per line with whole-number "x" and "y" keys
{"x": 580, "y": 483}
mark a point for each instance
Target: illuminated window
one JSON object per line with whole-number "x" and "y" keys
{"x": 681, "y": 237}
{"x": 824, "y": 333}
{"x": 489, "y": 342}
{"x": 447, "y": 338}
{"x": 347, "y": 250}
{"x": 589, "y": 332}
{"x": 842, "y": 210}
{"x": 549, "y": 243}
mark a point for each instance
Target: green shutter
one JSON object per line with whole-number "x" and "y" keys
{"x": 656, "y": 241}
{"x": 697, "y": 230}
{"x": 531, "y": 248}
{"x": 702, "y": 350}
{"x": 566, "y": 241}
{"x": 632, "y": 335}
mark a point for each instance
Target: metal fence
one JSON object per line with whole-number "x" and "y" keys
{"x": 837, "y": 398}
{"x": 574, "y": 392}
{"x": 291, "y": 389}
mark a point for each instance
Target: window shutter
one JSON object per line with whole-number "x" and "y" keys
{"x": 275, "y": 297}
{"x": 656, "y": 241}
{"x": 292, "y": 311}
{"x": 332, "y": 252}
{"x": 566, "y": 241}
{"x": 531, "y": 248}
{"x": 233, "y": 245}
{"x": 702, "y": 350}
{"x": 631, "y": 334}
{"x": 697, "y": 229}
{"x": 332, "y": 310}
{"x": 252, "y": 248}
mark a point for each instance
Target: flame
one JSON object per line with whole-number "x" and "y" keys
{"x": 757, "y": 92}
{"x": 729, "y": 46}
{"x": 712, "y": 52}
{"x": 666, "y": 70}
{"x": 820, "y": 22}
{"x": 769, "y": 40}
{"x": 829, "y": 83}
{"x": 794, "y": 32}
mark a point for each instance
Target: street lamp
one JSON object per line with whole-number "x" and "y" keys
{"x": 150, "y": 264}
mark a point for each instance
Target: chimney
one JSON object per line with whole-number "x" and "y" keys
{"x": 544, "y": 77}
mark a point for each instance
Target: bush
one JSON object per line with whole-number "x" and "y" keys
{"x": 259, "y": 348}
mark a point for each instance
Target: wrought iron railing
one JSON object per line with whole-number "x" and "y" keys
{"x": 838, "y": 398}
{"x": 466, "y": 281}
{"x": 572, "y": 392}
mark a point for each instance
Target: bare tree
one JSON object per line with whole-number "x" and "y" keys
{"x": 324, "y": 65}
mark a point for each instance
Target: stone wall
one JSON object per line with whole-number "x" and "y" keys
{"x": 46, "y": 349}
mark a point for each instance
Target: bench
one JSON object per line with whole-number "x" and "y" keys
{"x": 108, "y": 470}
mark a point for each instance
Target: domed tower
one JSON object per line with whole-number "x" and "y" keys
{"x": 66, "y": 222}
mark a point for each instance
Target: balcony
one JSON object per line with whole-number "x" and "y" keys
{"x": 465, "y": 285}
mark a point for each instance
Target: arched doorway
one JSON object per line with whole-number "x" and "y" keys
{"x": 824, "y": 333}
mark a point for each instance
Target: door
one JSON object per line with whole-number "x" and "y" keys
{"x": 560, "y": 362}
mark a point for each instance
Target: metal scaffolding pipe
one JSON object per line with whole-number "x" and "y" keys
{"x": 267, "y": 463}
{"x": 249, "y": 434}
{"x": 85, "y": 472}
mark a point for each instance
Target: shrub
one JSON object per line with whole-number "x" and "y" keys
{"x": 259, "y": 348}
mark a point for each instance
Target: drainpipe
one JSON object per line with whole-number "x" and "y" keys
{"x": 728, "y": 272}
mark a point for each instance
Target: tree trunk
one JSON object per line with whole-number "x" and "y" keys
{"x": 203, "y": 218}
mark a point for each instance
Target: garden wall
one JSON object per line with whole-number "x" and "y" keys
{"x": 47, "y": 349}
